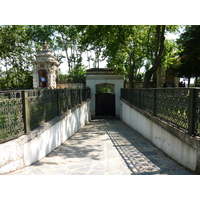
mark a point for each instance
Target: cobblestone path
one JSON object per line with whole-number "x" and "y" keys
{"x": 105, "y": 147}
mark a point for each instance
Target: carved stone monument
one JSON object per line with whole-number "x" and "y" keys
{"x": 45, "y": 69}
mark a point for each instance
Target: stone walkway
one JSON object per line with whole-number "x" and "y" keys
{"x": 105, "y": 147}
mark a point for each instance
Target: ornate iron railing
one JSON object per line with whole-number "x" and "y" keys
{"x": 22, "y": 111}
{"x": 11, "y": 115}
{"x": 42, "y": 106}
{"x": 177, "y": 106}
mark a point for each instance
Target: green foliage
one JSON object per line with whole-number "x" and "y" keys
{"x": 105, "y": 89}
{"x": 15, "y": 57}
{"x": 76, "y": 75}
{"x": 67, "y": 39}
{"x": 129, "y": 47}
{"x": 189, "y": 54}
{"x": 139, "y": 78}
{"x": 22, "y": 79}
{"x": 121, "y": 45}
{"x": 71, "y": 78}
{"x": 159, "y": 50}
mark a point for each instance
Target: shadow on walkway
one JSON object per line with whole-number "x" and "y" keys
{"x": 140, "y": 155}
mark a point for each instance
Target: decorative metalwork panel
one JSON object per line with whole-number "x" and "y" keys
{"x": 43, "y": 106}
{"x": 65, "y": 100}
{"x": 38, "y": 105}
{"x": 197, "y": 123}
{"x": 147, "y": 100}
{"x": 74, "y": 97}
{"x": 135, "y": 100}
{"x": 86, "y": 94}
{"x": 172, "y": 106}
{"x": 178, "y": 106}
{"x": 11, "y": 120}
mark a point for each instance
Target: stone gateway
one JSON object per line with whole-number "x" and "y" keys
{"x": 95, "y": 79}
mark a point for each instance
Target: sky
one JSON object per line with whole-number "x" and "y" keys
{"x": 64, "y": 67}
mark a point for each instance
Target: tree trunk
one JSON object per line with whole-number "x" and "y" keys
{"x": 131, "y": 74}
{"x": 188, "y": 81}
{"x": 160, "y": 38}
{"x": 68, "y": 62}
{"x": 196, "y": 81}
{"x": 131, "y": 84}
{"x": 148, "y": 76}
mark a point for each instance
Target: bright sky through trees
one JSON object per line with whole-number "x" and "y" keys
{"x": 64, "y": 68}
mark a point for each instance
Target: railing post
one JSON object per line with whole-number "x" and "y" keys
{"x": 131, "y": 97}
{"x": 79, "y": 94}
{"x": 139, "y": 99}
{"x": 125, "y": 95}
{"x": 85, "y": 93}
{"x": 128, "y": 95}
{"x": 26, "y": 113}
{"x": 154, "y": 102}
{"x": 122, "y": 93}
{"x": 192, "y": 112}
{"x": 68, "y": 99}
{"x": 58, "y": 102}
{"x": 72, "y": 98}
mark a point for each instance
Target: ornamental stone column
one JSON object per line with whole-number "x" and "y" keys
{"x": 46, "y": 66}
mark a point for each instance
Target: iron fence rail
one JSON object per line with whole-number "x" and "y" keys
{"x": 177, "y": 106}
{"x": 22, "y": 111}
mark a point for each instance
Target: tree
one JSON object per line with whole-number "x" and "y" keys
{"x": 121, "y": 45}
{"x": 189, "y": 54}
{"x": 15, "y": 55}
{"x": 158, "y": 53}
{"x": 67, "y": 39}
{"x": 159, "y": 50}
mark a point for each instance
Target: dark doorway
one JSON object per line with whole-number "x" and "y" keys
{"x": 105, "y": 104}
{"x": 42, "y": 73}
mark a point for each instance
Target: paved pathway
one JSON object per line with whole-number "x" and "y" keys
{"x": 105, "y": 147}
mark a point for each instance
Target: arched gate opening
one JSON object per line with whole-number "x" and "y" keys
{"x": 105, "y": 100}
{"x": 42, "y": 73}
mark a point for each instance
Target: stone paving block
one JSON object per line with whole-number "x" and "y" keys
{"x": 37, "y": 171}
{"x": 96, "y": 173}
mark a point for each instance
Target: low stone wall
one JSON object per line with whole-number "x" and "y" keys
{"x": 63, "y": 85}
{"x": 27, "y": 149}
{"x": 179, "y": 146}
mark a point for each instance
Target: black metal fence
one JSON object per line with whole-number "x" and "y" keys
{"x": 22, "y": 111}
{"x": 177, "y": 106}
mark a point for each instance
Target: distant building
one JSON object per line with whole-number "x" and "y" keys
{"x": 165, "y": 76}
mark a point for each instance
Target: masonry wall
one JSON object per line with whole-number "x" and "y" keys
{"x": 177, "y": 145}
{"x": 27, "y": 149}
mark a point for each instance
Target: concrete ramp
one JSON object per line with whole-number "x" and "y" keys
{"x": 105, "y": 147}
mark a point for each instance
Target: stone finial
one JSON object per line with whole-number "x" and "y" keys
{"x": 45, "y": 46}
